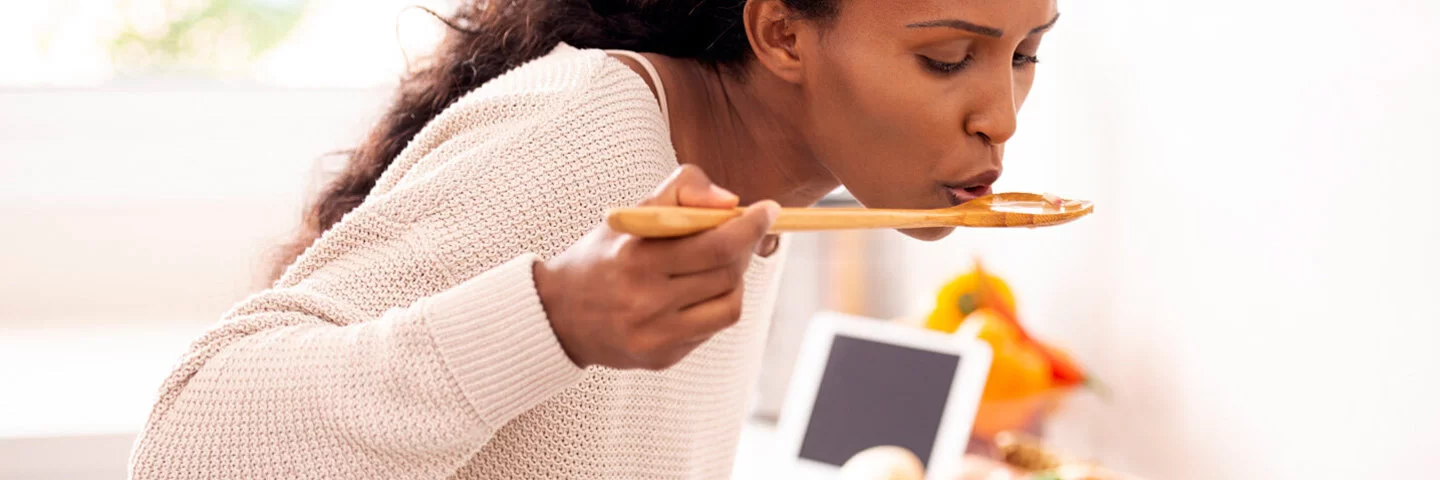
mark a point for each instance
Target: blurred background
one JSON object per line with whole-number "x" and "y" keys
{"x": 1257, "y": 287}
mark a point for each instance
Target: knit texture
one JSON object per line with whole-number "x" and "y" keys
{"x": 409, "y": 341}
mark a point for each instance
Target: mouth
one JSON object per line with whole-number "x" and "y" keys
{"x": 971, "y": 188}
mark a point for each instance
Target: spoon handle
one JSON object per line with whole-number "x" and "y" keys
{"x": 665, "y": 222}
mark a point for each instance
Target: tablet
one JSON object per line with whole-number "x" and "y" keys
{"x": 860, "y": 383}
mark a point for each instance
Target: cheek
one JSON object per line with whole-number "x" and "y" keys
{"x": 1023, "y": 82}
{"x": 874, "y": 122}
{"x": 856, "y": 98}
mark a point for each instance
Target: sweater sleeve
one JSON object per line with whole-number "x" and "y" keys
{"x": 410, "y": 333}
{"x": 286, "y": 391}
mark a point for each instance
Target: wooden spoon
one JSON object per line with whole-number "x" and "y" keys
{"x": 997, "y": 210}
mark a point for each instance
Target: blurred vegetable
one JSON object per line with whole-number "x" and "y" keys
{"x": 1066, "y": 372}
{"x": 1028, "y": 377}
{"x": 886, "y": 462}
{"x": 1018, "y": 369}
{"x": 966, "y": 294}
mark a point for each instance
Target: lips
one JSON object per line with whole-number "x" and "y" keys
{"x": 963, "y": 195}
{"x": 972, "y": 188}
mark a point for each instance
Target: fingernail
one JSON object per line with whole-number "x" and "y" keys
{"x": 723, "y": 193}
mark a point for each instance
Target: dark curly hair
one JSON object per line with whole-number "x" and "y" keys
{"x": 489, "y": 37}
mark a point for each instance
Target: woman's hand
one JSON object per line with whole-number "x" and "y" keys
{"x": 627, "y": 302}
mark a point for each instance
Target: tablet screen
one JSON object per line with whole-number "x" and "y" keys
{"x": 874, "y": 393}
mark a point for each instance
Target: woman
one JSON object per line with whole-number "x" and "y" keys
{"x": 466, "y": 314}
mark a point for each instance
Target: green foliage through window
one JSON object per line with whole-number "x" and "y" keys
{"x": 205, "y": 37}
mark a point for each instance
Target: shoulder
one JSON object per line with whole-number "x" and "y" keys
{"x": 576, "y": 110}
{"x": 572, "y": 109}
{"x": 590, "y": 96}
{"x": 565, "y": 71}
{"x": 568, "y": 87}
{"x": 575, "y": 129}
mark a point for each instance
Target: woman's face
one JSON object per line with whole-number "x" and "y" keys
{"x": 909, "y": 104}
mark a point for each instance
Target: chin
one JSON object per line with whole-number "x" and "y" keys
{"x": 928, "y": 234}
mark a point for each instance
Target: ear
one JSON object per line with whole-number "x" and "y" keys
{"x": 773, "y": 38}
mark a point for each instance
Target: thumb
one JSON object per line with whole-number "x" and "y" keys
{"x": 768, "y": 210}
{"x": 771, "y": 212}
{"x": 765, "y": 213}
{"x": 690, "y": 187}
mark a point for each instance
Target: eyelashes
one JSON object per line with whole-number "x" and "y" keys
{"x": 1019, "y": 60}
{"x": 945, "y": 68}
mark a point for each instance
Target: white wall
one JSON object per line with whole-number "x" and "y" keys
{"x": 117, "y": 198}
{"x": 131, "y": 219}
{"x": 1258, "y": 281}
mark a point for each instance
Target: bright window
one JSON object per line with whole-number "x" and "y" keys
{"x": 310, "y": 43}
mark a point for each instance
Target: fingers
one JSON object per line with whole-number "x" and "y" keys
{"x": 694, "y": 284}
{"x": 705, "y": 319}
{"x": 696, "y": 288}
{"x": 732, "y": 241}
{"x": 690, "y": 187}
{"x": 666, "y": 339}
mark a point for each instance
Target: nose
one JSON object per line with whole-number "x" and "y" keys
{"x": 992, "y": 117}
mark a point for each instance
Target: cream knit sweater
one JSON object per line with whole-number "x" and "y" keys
{"x": 409, "y": 342}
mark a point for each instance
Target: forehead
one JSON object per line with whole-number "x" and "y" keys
{"x": 1015, "y": 17}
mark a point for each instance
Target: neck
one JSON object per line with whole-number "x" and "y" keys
{"x": 743, "y": 134}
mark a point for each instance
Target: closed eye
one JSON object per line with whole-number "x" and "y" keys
{"x": 945, "y": 68}
{"x": 1019, "y": 60}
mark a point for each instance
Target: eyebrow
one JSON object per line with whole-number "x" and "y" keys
{"x": 958, "y": 24}
{"x": 1046, "y": 26}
